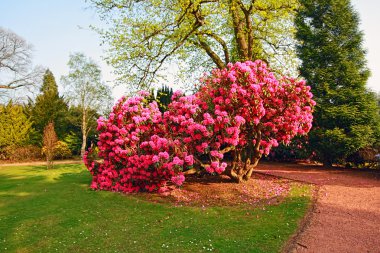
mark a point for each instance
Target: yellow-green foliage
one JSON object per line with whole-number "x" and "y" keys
{"x": 145, "y": 37}
{"x": 62, "y": 150}
{"x": 14, "y": 125}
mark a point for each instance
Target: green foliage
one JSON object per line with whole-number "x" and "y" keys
{"x": 15, "y": 126}
{"x": 74, "y": 142}
{"x": 49, "y": 106}
{"x": 334, "y": 64}
{"x": 294, "y": 151}
{"x": 163, "y": 97}
{"x": 72, "y": 218}
{"x": 147, "y": 37}
{"x": 74, "y": 130}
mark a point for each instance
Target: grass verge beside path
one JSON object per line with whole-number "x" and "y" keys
{"x": 54, "y": 211}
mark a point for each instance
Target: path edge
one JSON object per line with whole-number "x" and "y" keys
{"x": 291, "y": 244}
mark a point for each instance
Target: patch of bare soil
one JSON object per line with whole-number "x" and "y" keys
{"x": 346, "y": 217}
{"x": 221, "y": 191}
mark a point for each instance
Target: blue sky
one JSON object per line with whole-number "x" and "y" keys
{"x": 57, "y": 28}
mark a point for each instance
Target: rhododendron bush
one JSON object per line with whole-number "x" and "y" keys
{"x": 243, "y": 110}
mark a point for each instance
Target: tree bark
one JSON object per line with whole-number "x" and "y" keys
{"x": 215, "y": 58}
{"x": 84, "y": 134}
{"x": 247, "y": 158}
{"x": 239, "y": 30}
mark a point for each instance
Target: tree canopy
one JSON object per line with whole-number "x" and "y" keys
{"x": 15, "y": 125}
{"x": 146, "y": 37}
{"x": 333, "y": 62}
{"x": 85, "y": 89}
{"x": 49, "y": 106}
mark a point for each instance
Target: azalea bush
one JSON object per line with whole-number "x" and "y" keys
{"x": 134, "y": 149}
{"x": 243, "y": 110}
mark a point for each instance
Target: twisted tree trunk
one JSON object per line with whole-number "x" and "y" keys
{"x": 247, "y": 158}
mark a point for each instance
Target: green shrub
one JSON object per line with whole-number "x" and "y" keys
{"x": 295, "y": 151}
{"x": 74, "y": 142}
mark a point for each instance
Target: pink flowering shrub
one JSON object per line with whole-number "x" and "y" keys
{"x": 243, "y": 110}
{"x": 136, "y": 155}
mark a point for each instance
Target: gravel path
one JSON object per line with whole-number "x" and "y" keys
{"x": 40, "y": 163}
{"x": 346, "y": 215}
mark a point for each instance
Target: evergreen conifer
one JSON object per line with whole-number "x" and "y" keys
{"x": 333, "y": 62}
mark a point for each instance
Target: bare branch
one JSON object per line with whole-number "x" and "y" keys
{"x": 215, "y": 58}
{"x": 222, "y": 43}
{"x": 15, "y": 62}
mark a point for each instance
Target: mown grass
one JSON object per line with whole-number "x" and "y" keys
{"x": 55, "y": 211}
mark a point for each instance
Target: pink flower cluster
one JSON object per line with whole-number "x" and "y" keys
{"x": 136, "y": 155}
{"x": 258, "y": 103}
{"x": 235, "y": 108}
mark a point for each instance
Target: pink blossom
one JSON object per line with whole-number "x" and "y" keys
{"x": 178, "y": 179}
{"x": 155, "y": 159}
{"x": 177, "y": 161}
{"x": 204, "y": 145}
{"x": 189, "y": 160}
{"x": 142, "y": 149}
{"x": 239, "y": 119}
{"x": 143, "y": 93}
{"x": 216, "y": 154}
{"x": 209, "y": 169}
{"x": 94, "y": 185}
{"x": 164, "y": 155}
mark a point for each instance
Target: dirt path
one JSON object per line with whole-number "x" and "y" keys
{"x": 346, "y": 217}
{"x": 40, "y": 163}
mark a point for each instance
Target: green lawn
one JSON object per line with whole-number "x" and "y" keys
{"x": 55, "y": 211}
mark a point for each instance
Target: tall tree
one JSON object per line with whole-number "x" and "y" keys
{"x": 74, "y": 129}
{"x": 85, "y": 89}
{"x": 16, "y": 69}
{"x": 333, "y": 62}
{"x": 147, "y": 36}
{"x": 49, "y": 106}
{"x": 15, "y": 126}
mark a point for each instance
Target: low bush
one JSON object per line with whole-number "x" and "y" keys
{"x": 62, "y": 151}
{"x": 364, "y": 158}
{"x": 24, "y": 153}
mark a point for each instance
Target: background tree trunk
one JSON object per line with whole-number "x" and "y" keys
{"x": 84, "y": 134}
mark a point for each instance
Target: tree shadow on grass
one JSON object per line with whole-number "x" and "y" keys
{"x": 31, "y": 196}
